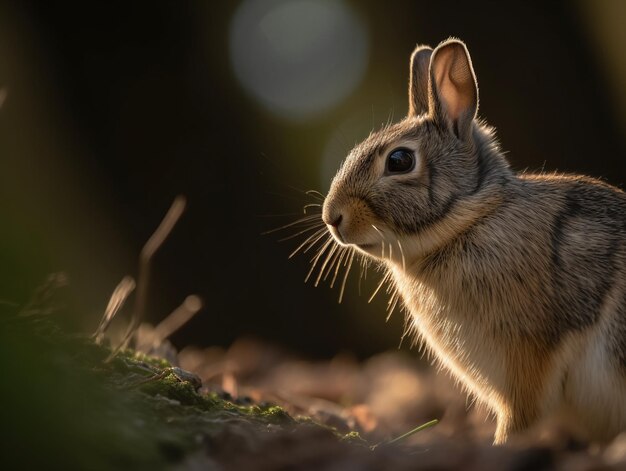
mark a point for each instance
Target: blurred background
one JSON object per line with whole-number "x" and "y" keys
{"x": 111, "y": 109}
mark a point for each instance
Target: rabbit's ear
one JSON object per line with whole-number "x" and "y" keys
{"x": 452, "y": 86}
{"x": 418, "y": 80}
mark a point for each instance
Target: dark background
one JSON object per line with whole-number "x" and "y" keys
{"x": 112, "y": 109}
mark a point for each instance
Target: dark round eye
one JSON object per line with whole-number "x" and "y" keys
{"x": 400, "y": 161}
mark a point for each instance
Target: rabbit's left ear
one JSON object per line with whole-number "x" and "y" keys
{"x": 418, "y": 81}
{"x": 452, "y": 87}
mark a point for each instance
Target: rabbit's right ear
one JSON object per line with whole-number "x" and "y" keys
{"x": 453, "y": 90}
{"x": 418, "y": 80}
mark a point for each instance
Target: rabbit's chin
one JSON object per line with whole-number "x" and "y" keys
{"x": 348, "y": 241}
{"x": 371, "y": 249}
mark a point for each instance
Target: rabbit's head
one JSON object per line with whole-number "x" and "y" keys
{"x": 398, "y": 193}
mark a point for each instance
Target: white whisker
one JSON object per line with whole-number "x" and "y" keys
{"x": 404, "y": 334}
{"x": 311, "y": 205}
{"x": 321, "y": 248}
{"x": 362, "y": 272}
{"x": 343, "y": 252}
{"x": 391, "y": 305}
{"x": 402, "y": 253}
{"x": 317, "y": 235}
{"x": 382, "y": 282}
{"x": 312, "y": 244}
{"x": 317, "y": 257}
{"x": 366, "y": 264}
{"x": 291, "y": 224}
{"x": 331, "y": 265}
{"x": 310, "y": 228}
{"x": 382, "y": 242}
{"x": 345, "y": 277}
{"x": 328, "y": 257}
{"x": 389, "y": 287}
{"x": 316, "y": 194}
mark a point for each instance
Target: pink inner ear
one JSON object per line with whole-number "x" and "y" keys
{"x": 455, "y": 82}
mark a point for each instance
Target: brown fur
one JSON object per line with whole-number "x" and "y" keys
{"x": 516, "y": 282}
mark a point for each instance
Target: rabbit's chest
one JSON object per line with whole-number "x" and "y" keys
{"x": 462, "y": 345}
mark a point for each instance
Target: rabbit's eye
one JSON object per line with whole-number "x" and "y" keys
{"x": 400, "y": 161}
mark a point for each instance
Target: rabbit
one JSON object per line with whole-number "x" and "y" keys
{"x": 516, "y": 282}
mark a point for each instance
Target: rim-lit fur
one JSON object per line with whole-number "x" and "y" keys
{"x": 516, "y": 282}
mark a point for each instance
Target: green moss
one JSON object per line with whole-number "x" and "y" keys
{"x": 172, "y": 388}
{"x": 276, "y": 415}
{"x": 268, "y": 414}
{"x": 75, "y": 406}
{"x": 150, "y": 360}
{"x": 355, "y": 438}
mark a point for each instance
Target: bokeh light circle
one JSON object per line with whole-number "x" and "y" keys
{"x": 298, "y": 58}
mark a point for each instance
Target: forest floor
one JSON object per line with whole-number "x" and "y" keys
{"x": 67, "y": 402}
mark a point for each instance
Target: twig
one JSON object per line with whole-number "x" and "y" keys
{"x": 179, "y": 317}
{"x": 145, "y": 257}
{"x": 116, "y": 302}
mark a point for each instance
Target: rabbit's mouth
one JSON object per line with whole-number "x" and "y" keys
{"x": 336, "y": 233}
{"x": 341, "y": 239}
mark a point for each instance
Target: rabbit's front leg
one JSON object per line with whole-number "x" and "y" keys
{"x": 514, "y": 419}
{"x": 526, "y": 398}
{"x": 503, "y": 429}
{"x": 507, "y": 426}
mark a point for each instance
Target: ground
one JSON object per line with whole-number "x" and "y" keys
{"x": 67, "y": 402}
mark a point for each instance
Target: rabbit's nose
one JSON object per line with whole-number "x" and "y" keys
{"x": 335, "y": 223}
{"x": 332, "y": 213}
